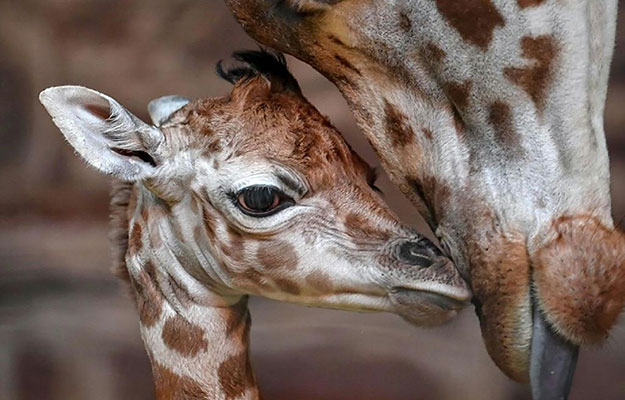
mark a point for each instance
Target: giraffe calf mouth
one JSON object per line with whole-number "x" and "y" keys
{"x": 408, "y": 297}
{"x": 424, "y": 307}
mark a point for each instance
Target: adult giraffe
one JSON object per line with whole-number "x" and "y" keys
{"x": 488, "y": 114}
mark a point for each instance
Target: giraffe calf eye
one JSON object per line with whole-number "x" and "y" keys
{"x": 262, "y": 201}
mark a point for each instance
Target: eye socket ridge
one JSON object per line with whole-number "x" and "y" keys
{"x": 261, "y": 200}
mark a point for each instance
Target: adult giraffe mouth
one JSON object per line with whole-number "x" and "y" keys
{"x": 552, "y": 359}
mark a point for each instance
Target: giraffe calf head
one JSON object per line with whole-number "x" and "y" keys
{"x": 261, "y": 194}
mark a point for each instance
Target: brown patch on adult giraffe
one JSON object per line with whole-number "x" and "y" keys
{"x": 405, "y": 24}
{"x": 359, "y": 227}
{"x": 182, "y": 336}
{"x": 277, "y": 254}
{"x": 500, "y": 116}
{"x": 578, "y": 278}
{"x": 397, "y": 126}
{"x": 347, "y": 64}
{"x": 136, "y": 238}
{"x": 171, "y": 386}
{"x": 475, "y": 20}
{"x": 458, "y": 93}
{"x": 535, "y": 79}
{"x": 148, "y": 296}
{"x": 529, "y": 3}
{"x": 235, "y": 375}
{"x": 434, "y": 53}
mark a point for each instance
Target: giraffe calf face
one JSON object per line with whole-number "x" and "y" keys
{"x": 260, "y": 192}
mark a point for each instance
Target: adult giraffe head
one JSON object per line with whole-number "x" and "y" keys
{"x": 488, "y": 114}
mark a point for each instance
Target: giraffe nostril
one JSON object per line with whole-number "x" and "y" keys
{"x": 421, "y": 253}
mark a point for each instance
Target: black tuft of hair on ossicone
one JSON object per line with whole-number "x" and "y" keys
{"x": 271, "y": 65}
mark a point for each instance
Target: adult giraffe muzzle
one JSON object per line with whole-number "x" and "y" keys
{"x": 488, "y": 114}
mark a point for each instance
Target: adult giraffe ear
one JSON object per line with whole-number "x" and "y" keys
{"x": 103, "y": 132}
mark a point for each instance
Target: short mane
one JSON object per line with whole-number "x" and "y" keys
{"x": 271, "y": 65}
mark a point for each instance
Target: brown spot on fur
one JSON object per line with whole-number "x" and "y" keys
{"x": 458, "y": 93}
{"x": 475, "y": 20}
{"x": 148, "y": 296}
{"x": 235, "y": 248}
{"x": 184, "y": 337}
{"x": 405, "y": 24}
{"x": 170, "y": 386}
{"x": 578, "y": 277}
{"x": 397, "y": 126}
{"x": 209, "y": 223}
{"x": 251, "y": 280}
{"x": 434, "y": 53}
{"x": 536, "y": 78}
{"x": 345, "y": 63}
{"x": 428, "y": 133}
{"x": 277, "y": 254}
{"x": 320, "y": 282}
{"x": 529, "y": 3}
{"x": 136, "y": 243}
{"x": 235, "y": 375}
{"x": 287, "y": 286}
{"x": 359, "y": 227}
{"x": 500, "y": 117}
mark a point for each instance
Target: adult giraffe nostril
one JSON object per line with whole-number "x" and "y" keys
{"x": 422, "y": 253}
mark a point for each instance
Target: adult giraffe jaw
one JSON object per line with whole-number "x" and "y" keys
{"x": 488, "y": 116}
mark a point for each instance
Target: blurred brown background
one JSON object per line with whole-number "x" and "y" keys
{"x": 67, "y": 329}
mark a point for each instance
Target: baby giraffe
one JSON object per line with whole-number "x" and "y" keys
{"x": 255, "y": 193}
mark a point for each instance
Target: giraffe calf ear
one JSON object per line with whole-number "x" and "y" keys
{"x": 103, "y": 132}
{"x": 161, "y": 109}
